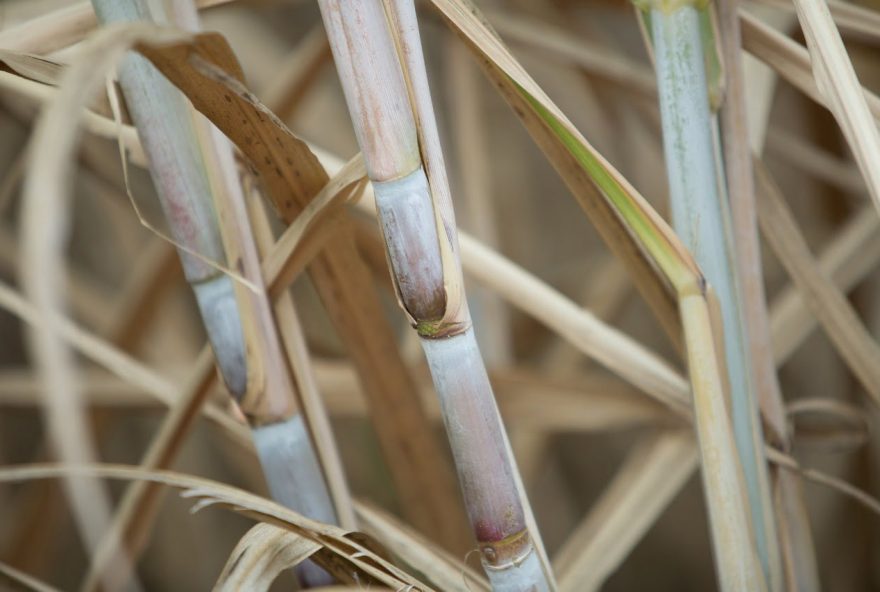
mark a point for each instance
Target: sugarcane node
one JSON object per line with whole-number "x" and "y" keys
{"x": 511, "y": 550}
{"x": 258, "y": 414}
{"x": 668, "y": 6}
{"x": 698, "y": 286}
{"x": 440, "y": 329}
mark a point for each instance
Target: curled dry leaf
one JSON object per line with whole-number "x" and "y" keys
{"x": 338, "y": 550}
{"x": 443, "y": 570}
{"x": 261, "y": 554}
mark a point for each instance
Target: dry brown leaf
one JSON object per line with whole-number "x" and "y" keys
{"x": 281, "y": 265}
{"x": 862, "y": 22}
{"x": 789, "y": 59}
{"x": 60, "y": 28}
{"x": 340, "y": 552}
{"x": 829, "y": 305}
{"x": 261, "y": 554}
{"x": 45, "y": 226}
{"x": 311, "y": 399}
{"x": 136, "y": 512}
{"x": 506, "y": 74}
{"x": 17, "y": 580}
{"x": 838, "y": 84}
{"x": 848, "y": 258}
{"x": 439, "y": 567}
{"x": 595, "y": 59}
{"x": 31, "y": 66}
{"x": 92, "y": 121}
{"x": 117, "y": 362}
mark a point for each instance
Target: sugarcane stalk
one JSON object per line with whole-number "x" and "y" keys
{"x": 293, "y": 471}
{"x": 701, "y": 217}
{"x": 180, "y": 166}
{"x": 160, "y": 114}
{"x": 797, "y": 561}
{"x": 421, "y": 246}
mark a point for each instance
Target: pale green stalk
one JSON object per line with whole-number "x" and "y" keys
{"x": 701, "y": 217}
{"x": 170, "y": 138}
{"x": 415, "y": 215}
{"x": 796, "y": 558}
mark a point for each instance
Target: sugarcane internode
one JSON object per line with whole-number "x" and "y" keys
{"x": 409, "y": 226}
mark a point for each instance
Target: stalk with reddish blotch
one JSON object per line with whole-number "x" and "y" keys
{"x": 416, "y": 220}
{"x": 191, "y": 166}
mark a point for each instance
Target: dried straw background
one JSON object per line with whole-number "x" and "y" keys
{"x": 572, "y": 424}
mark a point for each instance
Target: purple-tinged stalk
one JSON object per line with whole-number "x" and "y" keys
{"x": 163, "y": 119}
{"x": 418, "y": 227}
{"x": 183, "y": 153}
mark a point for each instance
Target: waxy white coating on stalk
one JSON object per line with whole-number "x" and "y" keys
{"x": 406, "y": 215}
{"x": 161, "y": 113}
{"x": 216, "y": 300}
{"x": 699, "y": 215}
{"x": 384, "y": 121}
{"x": 513, "y": 577}
{"x": 784, "y": 511}
{"x": 477, "y": 441}
{"x": 402, "y": 17}
{"x": 167, "y": 130}
{"x": 287, "y": 454}
{"x": 295, "y": 480}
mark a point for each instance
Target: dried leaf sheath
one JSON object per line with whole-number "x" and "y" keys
{"x": 420, "y": 240}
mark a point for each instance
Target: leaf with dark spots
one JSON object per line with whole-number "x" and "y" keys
{"x": 207, "y": 71}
